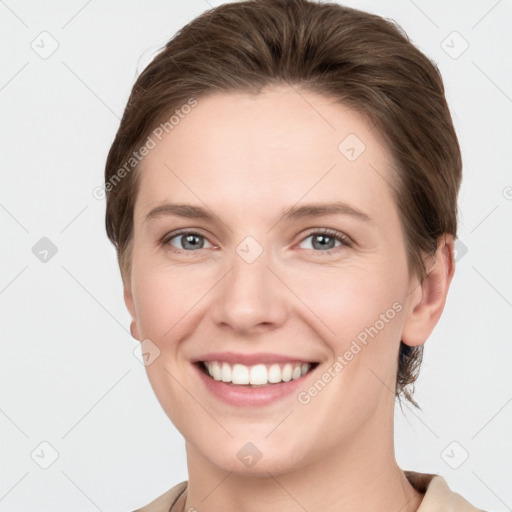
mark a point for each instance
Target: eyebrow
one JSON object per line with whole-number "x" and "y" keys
{"x": 292, "y": 213}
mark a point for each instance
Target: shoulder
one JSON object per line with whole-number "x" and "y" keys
{"x": 438, "y": 496}
{"x": 166, "y": 501}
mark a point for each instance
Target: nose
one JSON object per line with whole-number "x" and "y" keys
{"x": 250, "y": 299}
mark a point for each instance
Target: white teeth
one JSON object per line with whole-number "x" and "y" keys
{"x": 274, "y": 374}
{"x": 257, "y": 375}
{"x": 226, "y": 372}
{"x": 287, "y": 372}
{"x": 216, "y": 370}
{"x": 240, "y": 374}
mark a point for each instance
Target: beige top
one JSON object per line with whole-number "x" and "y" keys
{"x": 438, "y": 496}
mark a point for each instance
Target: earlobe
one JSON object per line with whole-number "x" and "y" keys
{"x": 428, "y": 303}
{"x": 128, "y": 300}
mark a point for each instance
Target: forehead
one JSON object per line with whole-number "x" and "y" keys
{"x": 251, "y": 152}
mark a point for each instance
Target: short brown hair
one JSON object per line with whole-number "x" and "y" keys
{"x": 360, "y": 59}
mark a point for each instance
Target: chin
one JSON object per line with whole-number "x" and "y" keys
{"x": 251, "y": 459}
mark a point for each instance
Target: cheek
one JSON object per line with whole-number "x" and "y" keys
{"x": 359, "y": 313}
{"x": 347, "y": 301}
{"x": 168, "y": 302}
{"x": 165, "y": 298}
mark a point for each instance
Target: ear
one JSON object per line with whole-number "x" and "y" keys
{"x": 128, "y": 300}
{"x": 429, "y": 298}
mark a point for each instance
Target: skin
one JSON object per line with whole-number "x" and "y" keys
{"x": 245, "y": 159}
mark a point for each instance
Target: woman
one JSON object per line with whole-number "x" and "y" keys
{"x": 282, "y": 195}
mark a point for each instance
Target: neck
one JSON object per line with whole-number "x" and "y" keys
{"x": 361, "y": 475}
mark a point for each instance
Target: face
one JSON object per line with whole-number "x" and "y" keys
{"x": 268, "y": 247}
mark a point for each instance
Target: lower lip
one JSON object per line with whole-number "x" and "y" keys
{"x": 247, "y": 396}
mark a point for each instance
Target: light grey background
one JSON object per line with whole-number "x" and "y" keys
{"x": 69, "y": 377}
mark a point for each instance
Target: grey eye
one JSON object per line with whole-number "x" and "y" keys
{"x": 321, "y": 242}
{"x": 188, "y": 241}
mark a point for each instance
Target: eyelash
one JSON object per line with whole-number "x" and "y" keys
{"x": 340, "y": 237}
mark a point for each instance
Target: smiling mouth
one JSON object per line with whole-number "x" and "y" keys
{"x": 256, "y": 375}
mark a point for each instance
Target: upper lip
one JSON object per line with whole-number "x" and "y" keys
{"x": 250, "y": 359}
